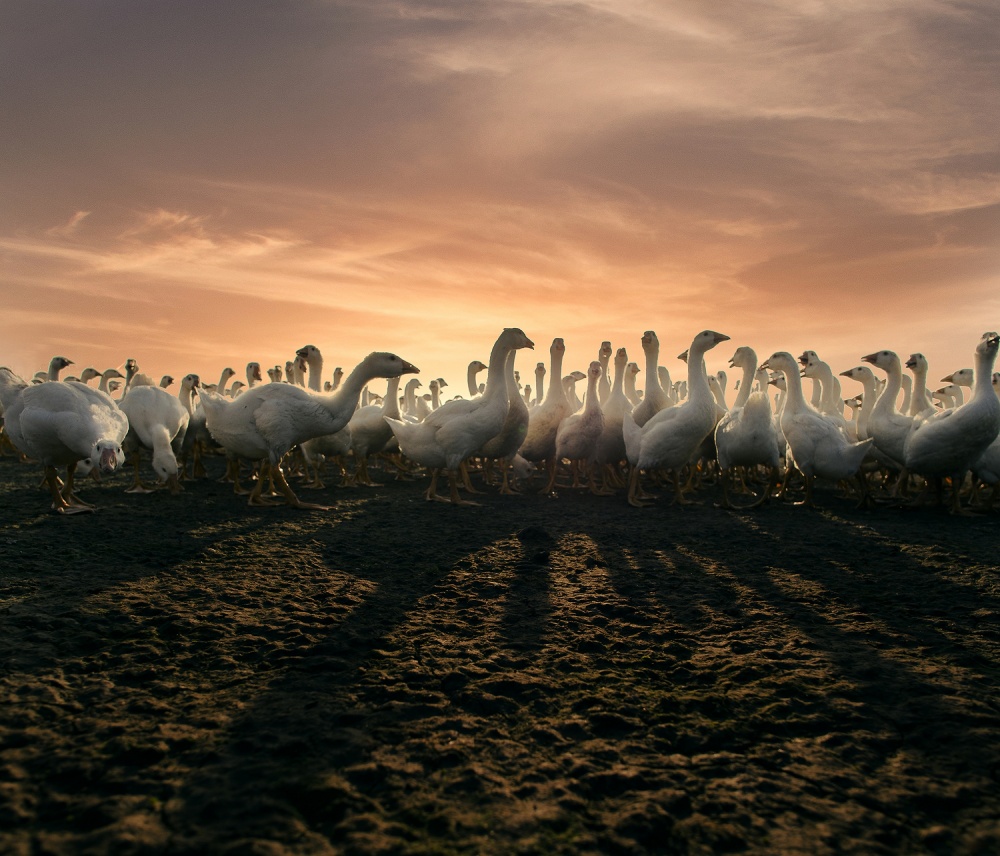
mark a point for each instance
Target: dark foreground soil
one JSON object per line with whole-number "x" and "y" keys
{"x": 538, "y": 675}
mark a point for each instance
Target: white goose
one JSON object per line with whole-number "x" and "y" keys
{"x": 611, "y": 443}
{"x": 540, "y": 441}
{"x": 604, "y": 384}
{"x": 334, "y": 446}
{"x": 370, "y": 433}
{"x": 157, "y": 422}
{"x": 654, "y": 399}
{"x": 887, "y": 425}
{"x": 503, "y": 447}
{"x": 60, "y": 424}
{"x": 674, "y": 435}
{"x": 459, "y": 428}
{"x": 577, "y": 437}
{"x": 816, "y": 446}
{"x": 949, "y": 443}
{"x": 921, "y": 403}
{"x": 266, "y": 421}
{"x": 634, "y": 399}
{"x": 745, "y": 436}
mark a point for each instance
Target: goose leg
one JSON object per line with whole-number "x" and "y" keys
{"x": 290, "y": 497}
{"x": 137, "y": 485}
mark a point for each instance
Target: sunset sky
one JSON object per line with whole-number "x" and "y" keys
{"x": 197, "y": 183}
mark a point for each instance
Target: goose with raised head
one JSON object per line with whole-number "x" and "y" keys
{"x": 459, "y": 428}
{"x": 539, "y": 383}
{"x": 157, "y": 422}
{"x": 61, "y": 424}
{"x": 540, "y": 441}
{"x": 631, "y": 393}
{"x": 816, "y": 446}
{"x": 921, "y": 403}
{"x": 673, "y": 436}
{"x": 611, "y": 443}
{"x": 604, "y": 384}
{"x": 475, "y": 367}
{"x": 266, "y": 421}
{"x": 370, "y": 432}
{"x": 886, "y": 425}
{"x": 745, "y": 436}
{"x": 949, "y": 443}
{"x": 654, "y": 399}
{"x": 503, "y": 447}
{"x": 56, "y": 365}
{"x": 334, "y": 446}
{"x": 569, "y": 386}
{"x": 578, "y": 434}
{"x": 828, "y": 393}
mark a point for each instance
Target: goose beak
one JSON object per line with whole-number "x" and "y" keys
{"x": 530, "y": 345}
{"x": 720, "y": 337}
{"x": 870, "y": 358}
{"x": 764, "y": 365}
{"x": 948, "y": 378}
{"x": 409, "y": 368}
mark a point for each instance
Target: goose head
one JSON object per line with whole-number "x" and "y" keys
{"x": 881, "y": 359}
{"x": 963, "y": 377}
{"x": 780, "y": 361}
{"x": 606, "y": 351}
{"x": 743, "y": 357}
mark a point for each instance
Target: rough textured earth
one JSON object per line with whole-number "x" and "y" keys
{"x": 183, "y": 674}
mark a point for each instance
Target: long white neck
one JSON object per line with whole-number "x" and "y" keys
{"x": 794, "y": 398}
{"x": 556, "y": 392}
{"x": 887, "y": 401}
{"x": 983, "y": 384}
{"x": 471, "y": 377}
{"x": 390, "y": 404}
{"x": 315, "y": 364}
{"x": 746, "y": 384}
{"x": 652, "y": 353}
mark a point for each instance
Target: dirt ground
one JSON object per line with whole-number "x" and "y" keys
{"x": 184, "y": 674}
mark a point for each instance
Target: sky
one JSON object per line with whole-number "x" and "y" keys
{"x": 201, "y": 183}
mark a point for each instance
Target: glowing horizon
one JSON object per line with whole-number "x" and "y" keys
{"x": 199, "y": 185}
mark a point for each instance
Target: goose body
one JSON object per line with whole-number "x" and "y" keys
{"x": 266, "y": 421}
{"x": 60, "y": 424}
{"x": 157, "y": 423}
{"x": 671, "y": 438}
{"x": 577, "y": 437}
{"x": 817, "y": 446}
{"x": 950, "y": 442}
{"x": 745, "y": 435}
{"x": 460, "y": 427}
{"x": 887, "y": 426}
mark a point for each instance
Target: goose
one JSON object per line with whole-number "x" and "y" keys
{"x": 666, "y": 384}
{"x": 921, "y": 403}
{"x": 949, "y": 443}
{"x": 540, "y": 441}
{"x": 56, "y": 365}
{"x": 253, "y": 374}
{"x": 631, "y": 370}
{"x": 165, "y": 381}
{"x": 475, "y": 367}
{"x": 611, "y": 443}
{"x": 674, "y": 435}
{"x": 409, "y": 405}
{"x": 370, "y": 432}
{"x": 527, "y": 395}
{"x": 61, "y": 424}
{"x": 745, "y": 435}
{"x": 157, "y": 421}
{"x": 539, "y": 382}
{"x": 569, "y": 386}
{"x": 266, "y": 421}
{"x": 816, "y": 446}
{"x": 577, "y": 436}
{"x": 654, "y": 399}
{"x": 459, "y": 428}
{"x": 335, "y": 446}
{"x": 131, "y": 370}
{"x": 604, "y": 384}
{"x": 828, "y": 398}
{"x": 950, "y": 395}
{"x": 503, "y": 447}
{"x": 338, "y": 378}
{"x": 886, "y": 425}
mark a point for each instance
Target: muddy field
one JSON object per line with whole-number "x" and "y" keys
{"x": 183, "y": 674}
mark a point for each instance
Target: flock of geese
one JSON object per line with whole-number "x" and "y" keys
{"x": 900, "y": 435}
